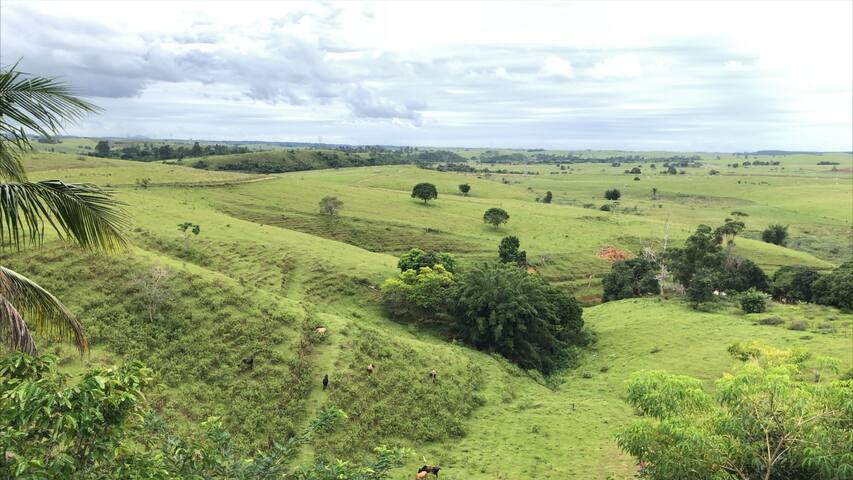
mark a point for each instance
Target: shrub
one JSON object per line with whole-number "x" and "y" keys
{"x": 798, "y": 325}
{"x": 330, "y": 205}
{"x": 793, "y": 283}
{"x": 739, "y": 275}
{"x": 775, "y": 234}
{"x": 605, "y": 208}
{"x": 418, "y": 294}
{"x": 416, "y": 258}
{"x": 548, "y": 196}
{"x": 771, "y": 321}
{"x": 612, "y": 194}
{"x": 464, "y": 188}
{"x": 753, "y": 301}
{"x": 701, "y": 288}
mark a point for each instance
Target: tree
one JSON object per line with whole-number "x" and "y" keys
{"x": 700, "y": 251}
{"x": 196, "y": 151}
{"x": 739, "y": 275}
{"x": 701, "y": 288}
{"x": 727, "y": 232}
{"x": 154, "y": 289}
{"x": 635, "y": 171}
{"x": 464, "y": 189}
{"x": 504, "y": 309}
{"x": 509, "y": 252}
{"x": 775, "y": 234}
{"x": 630, "y": 278}
{"x": 547, "y": 198}
{"x": 416, "y": 258}
{"x": 654, "y": 193}
{"x": 612, "y": 194}
{"x": 495, "y": 216}
{"x": 425, "y": 192}
{"x": 103, "y": 148}
{"x": 418, "y": 293}
{"x": 330, "y": 205}
{"x": 671, "y": 170}
{"x": 794, "y": 283}
{"x": 836, "y": 288}
{"x": 761, "y": 422}
{"x": 81, "y": 213}
{"x": 164, "y": 152}
{"x": 187, "y": 228}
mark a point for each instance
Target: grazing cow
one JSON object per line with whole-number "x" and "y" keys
{"x": 421, "y": 475}
{"x": 325, "y": 381}
{"x": 248, "y": 362}
{"x": 320, "y": 330}
{"x": 428, "y": 469}
{"x": 370, "y": 368}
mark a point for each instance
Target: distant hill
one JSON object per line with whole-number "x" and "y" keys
{"x": 294, "y": 160}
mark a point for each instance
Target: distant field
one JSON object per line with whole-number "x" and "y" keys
{"x": 267, "y": 269}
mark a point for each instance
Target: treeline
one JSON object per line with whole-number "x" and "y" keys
{"x": 292, "y": 160}
{"x": 491, "y": 156}
{"x": 148, "y": 152}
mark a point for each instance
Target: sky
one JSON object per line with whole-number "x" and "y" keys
{"x": 681, "y": 76}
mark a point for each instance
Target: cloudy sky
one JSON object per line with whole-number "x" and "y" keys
{"x": 721, "y": 76}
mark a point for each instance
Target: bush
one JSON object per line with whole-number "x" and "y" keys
{"x": 612, "y": 194}
{"x": 425, "y": 192}
{"x": 753, "y": 301}
{"x": 775, "y": 234}
{"x": 798, "y": 325}
{"x": 418, "y": 294}
{"x": 330, "y": 205}
{"x": 701, "y": 288}
{"x": 509, "y": 252}
{"x": 605, "y": 208}
{"x": 501, "y": 308}
{"x": 415, "y": 259}
{"x": 630, "y": 278}
{"x": 771, "y": 321}
{"x": 793, "y": 283}
{"x": 739, "y": 275}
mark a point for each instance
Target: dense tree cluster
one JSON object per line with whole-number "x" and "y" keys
{"x": 415, "y": 259}
{"x": 630, "y": 278}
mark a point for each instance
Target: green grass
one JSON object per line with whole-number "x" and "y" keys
{"x": 267, "y": 269}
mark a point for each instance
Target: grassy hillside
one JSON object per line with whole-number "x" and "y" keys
{"x": 267, "y": 269}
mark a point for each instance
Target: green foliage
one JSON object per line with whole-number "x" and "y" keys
{"x": 103, "y": 148}
{"x": 612, "y": 194}
{"x": 700, "y": 251}
{"x": 495, "y": 216}
{"x": 775, "y": 234}
{"x": 464, "y": 188}
{"x": 508, "y": 251}
{"x": 753, "y": 301}
{"x": 425, "y": 192}
{"x": 762, "y": 422}
{"x": 836, "y": 288}
{"x": 630, "y": 278}
{"x": 701, "y": 288}
{"x": 101, "y": 427}
{"x": 416, "y": 258}
{"x": 418, "y": 293}
{"x": 727, "y": 232}
{"x": 330, "y": 205}
{"x": 501, "y": 308}
{"x": 739, "y": 275}
{"x": 793, "y": 283}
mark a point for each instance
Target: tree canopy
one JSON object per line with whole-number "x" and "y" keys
{"x": 495, "y": 216}
{"x": 425, "y": 192}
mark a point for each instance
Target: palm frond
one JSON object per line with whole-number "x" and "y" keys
{"x": 83, "y": 213}
{"x": 42, "y": 105}
{"x": 22, "y": 299}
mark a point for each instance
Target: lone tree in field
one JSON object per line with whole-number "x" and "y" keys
{"x": 547, "y": 198}
{"x": 495, "y": 216}
{"x": 775, "y": 234}
{"x": 330, "y": 205}
{"x": 188, "y": 228}
{"x": 103, "y": 148}
{"x": 654, "y": 193}
{"x": 81, "y": 213}
{"x": 612, "y": 194}
{"x": 464, "y": 189}
{"x": 425, "y": 192}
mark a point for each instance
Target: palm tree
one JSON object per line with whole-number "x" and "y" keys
{"x": 81, "y": 213}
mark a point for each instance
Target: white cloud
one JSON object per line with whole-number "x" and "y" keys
{"x": 659, "y": 73}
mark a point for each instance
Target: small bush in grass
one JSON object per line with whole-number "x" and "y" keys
{"x": 753, "y": 301}
{"x": 771, "y": 321}
{"x": 798, "y": 325}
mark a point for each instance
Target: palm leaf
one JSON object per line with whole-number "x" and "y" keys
{"x": 20, "y": 299}
{"x": 83, "y": 213}
{"x": 39, "y": 104}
